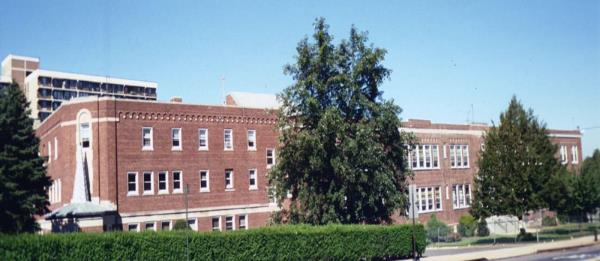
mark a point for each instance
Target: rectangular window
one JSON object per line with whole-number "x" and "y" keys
{"x": 133, "y": 227}
{"x": 202, "y": 139}
{"x": 176, "y": 139}
{"x": 270, "y": 158}
{"x": 192, "y": 224}
{"x": 428, "y": 199}
{"x": 424, "y": 157}
{"x": 574, "y": 154}
{"x": 204, "y": 181}
{"x": 149, "y": 226}
{"x": 461, "y": 196}
{"x": 243, "y": 222}
{"x": 228, "y": 139}
{"x": 459, "y": 156}
{"x": 147, "y": 138}
{"x": 251, "y": 140}
{"x": 229, "y": 223}
{"x": 177, "y": 178}
{"x": 216, "y": 224}
{"x": 132, "y": 186}
{"x": 228, "y": 179}
{"x": 148, "y": 183}
{"x": 55, "y": 148}
{"x": 271, "y": 195}
{"x": 252, "y": 179}
{"x": 84, "y": 135}
{"x": 165, "y": 225}
{"x": 563, "y": 154}
{"x": 163, "y": 177}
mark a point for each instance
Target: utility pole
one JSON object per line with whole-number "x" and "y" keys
{"x": 187, "y": 233}
{"x": 414, "y": 239}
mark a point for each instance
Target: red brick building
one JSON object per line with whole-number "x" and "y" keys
{"x": 125, "y": 164}
{"x": 446, "y": 160}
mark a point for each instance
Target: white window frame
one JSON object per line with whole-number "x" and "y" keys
{"x": 212, "y": 225}
{"x": 151, "y": 191}
{"x": 55, "y": 148}
{"x": 564, "y": 159}
{"x": 459, "y": 154}
{"x": 166, "y": 221}
{"x": 245, "y": 216}
{"x": 207, "y": 189}
{"x": 232, "y": 223}
{"x": 180, "y": 189}
{"x": 200, "y": 139}
{"x": 230, "y": 143}
{"x": 574, "y": 154}
{"x": 430, "y": 154}
{"x": 137, "y": 227}
{"x": 194, "y": 226}
{"x": 151, "y": 139}
{"x": 166, "y": 190}
{"x": 253, "y": 176}
{"x": 459, "y": 193}
{"x": 178, "y": 138}
{"x": 231, "y": 186}
{"x": 422, "y": 199}
{"x": 272, "y": 157}
{"x": 137, "y": 187}
{"x": 251, "y": 137}
{"x": 150, "y": 223}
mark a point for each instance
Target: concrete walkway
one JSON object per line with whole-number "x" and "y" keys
{"x": 518, "y": 250}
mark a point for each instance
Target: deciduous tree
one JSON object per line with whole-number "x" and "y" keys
{"x": 342, "y": 157}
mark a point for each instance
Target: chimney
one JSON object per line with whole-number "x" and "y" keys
{"x": 176, "y": 99}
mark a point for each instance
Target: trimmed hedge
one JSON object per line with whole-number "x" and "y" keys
{"x": 347, "y": 242}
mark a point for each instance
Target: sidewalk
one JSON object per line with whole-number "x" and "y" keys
{"x": 518, "y": 250}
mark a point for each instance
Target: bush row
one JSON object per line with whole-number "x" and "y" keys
{"x": 339, "y": 242}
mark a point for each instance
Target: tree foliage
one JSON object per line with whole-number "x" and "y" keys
{"x": 23, "y": 179}
{"x": 342, "y": 157}
{"x": 516, "y": 165}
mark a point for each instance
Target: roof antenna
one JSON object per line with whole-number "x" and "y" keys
{"x": 223, "y": 89}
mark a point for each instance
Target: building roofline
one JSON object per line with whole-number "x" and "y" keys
{"x": 19, "y": 57}
{"x": 90, "y": 99}
{"x": 96, "y": 78}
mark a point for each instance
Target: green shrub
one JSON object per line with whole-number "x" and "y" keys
{"x": 466, "y": 225}
{"x": 482, "y": 229}
{"x": 332, "y": 242}
{"x": 549, "y": 221}
{"x": 436, "y": 229}
{"x": 453, "y": 237}
{"x": 181, "y": 225}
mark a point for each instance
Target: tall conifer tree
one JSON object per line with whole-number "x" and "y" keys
{"x": 342, "y": 158}
{"x": 23, "y": 180}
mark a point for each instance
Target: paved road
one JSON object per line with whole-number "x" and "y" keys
{"x": 583, "y": 253}
{"x": 461, "y": 250}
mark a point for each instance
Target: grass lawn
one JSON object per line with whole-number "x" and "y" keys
{"x": 561, "y": 232}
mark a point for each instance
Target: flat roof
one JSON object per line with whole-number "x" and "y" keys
{"x": 94, "y": 78}
{"x": 19, "y": 57}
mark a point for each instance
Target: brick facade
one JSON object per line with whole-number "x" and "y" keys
{"x": 116, "y": 149}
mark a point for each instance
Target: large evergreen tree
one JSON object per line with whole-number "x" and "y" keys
{"x": 23, "y": 179}
{"x": 342, "y": 157}
{"x": 516, "y": 165}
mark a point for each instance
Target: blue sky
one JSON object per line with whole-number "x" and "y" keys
{"x": 446, "y": 56}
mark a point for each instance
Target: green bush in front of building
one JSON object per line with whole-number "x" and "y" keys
{"x": 332, "y": 242}
{"x": 467, "y": 225}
